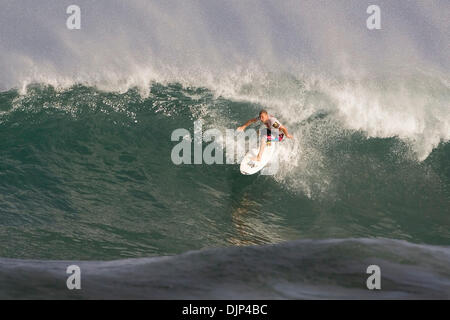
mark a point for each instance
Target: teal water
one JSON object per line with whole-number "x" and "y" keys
{"x": 86, "y": 178}
{"x": 87, "y": 175}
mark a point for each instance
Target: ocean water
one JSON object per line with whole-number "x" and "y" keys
{"x": 86, "y": 175}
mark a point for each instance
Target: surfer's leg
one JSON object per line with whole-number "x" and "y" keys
{"x": 265, "y": 140}
{"x": 261, "y": 149}
{"x": 262, "y": 144}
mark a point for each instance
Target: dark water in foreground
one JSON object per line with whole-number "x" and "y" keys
{"x": 321, "y": 269}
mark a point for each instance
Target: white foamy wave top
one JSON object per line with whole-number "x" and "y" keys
{"x": 294, "y": 58}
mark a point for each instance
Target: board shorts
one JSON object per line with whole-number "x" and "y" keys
{"x": 270, "y": 137}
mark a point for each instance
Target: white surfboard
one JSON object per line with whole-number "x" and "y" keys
{"x": 249, "y": 166}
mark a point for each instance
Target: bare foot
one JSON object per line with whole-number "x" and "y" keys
{"x": 256, "y": 158}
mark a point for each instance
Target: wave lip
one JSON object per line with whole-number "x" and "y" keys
{"x": 303, "y": 269}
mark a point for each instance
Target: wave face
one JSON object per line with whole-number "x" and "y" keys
{"x": 86, "y": 118}
{"x": 87, "y": 174}
{"x": 321, "y": 269}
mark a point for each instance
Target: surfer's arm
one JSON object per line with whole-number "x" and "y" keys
{"x": 245, "y": 125}
{"x": 283, "y": 128}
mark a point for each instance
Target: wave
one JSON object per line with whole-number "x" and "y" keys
{"x": 306, "y": 269}
{"x": 86, "y": 117}
{"x": 93, "y": 169}
{"x": 385, "y": 84}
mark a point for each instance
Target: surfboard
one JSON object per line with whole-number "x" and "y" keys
{"x": 249, "y": 166}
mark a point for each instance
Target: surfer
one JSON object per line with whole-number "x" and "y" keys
{"x": 270, "y": 122}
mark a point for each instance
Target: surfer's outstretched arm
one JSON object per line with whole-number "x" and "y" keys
{"x": 249, "y": 122}
{"x": 283, "y": 128}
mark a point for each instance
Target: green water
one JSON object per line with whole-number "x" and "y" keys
{"x": 87, "y": 174}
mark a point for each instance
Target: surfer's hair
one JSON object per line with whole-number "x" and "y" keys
{"x": 262, "y": 111}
